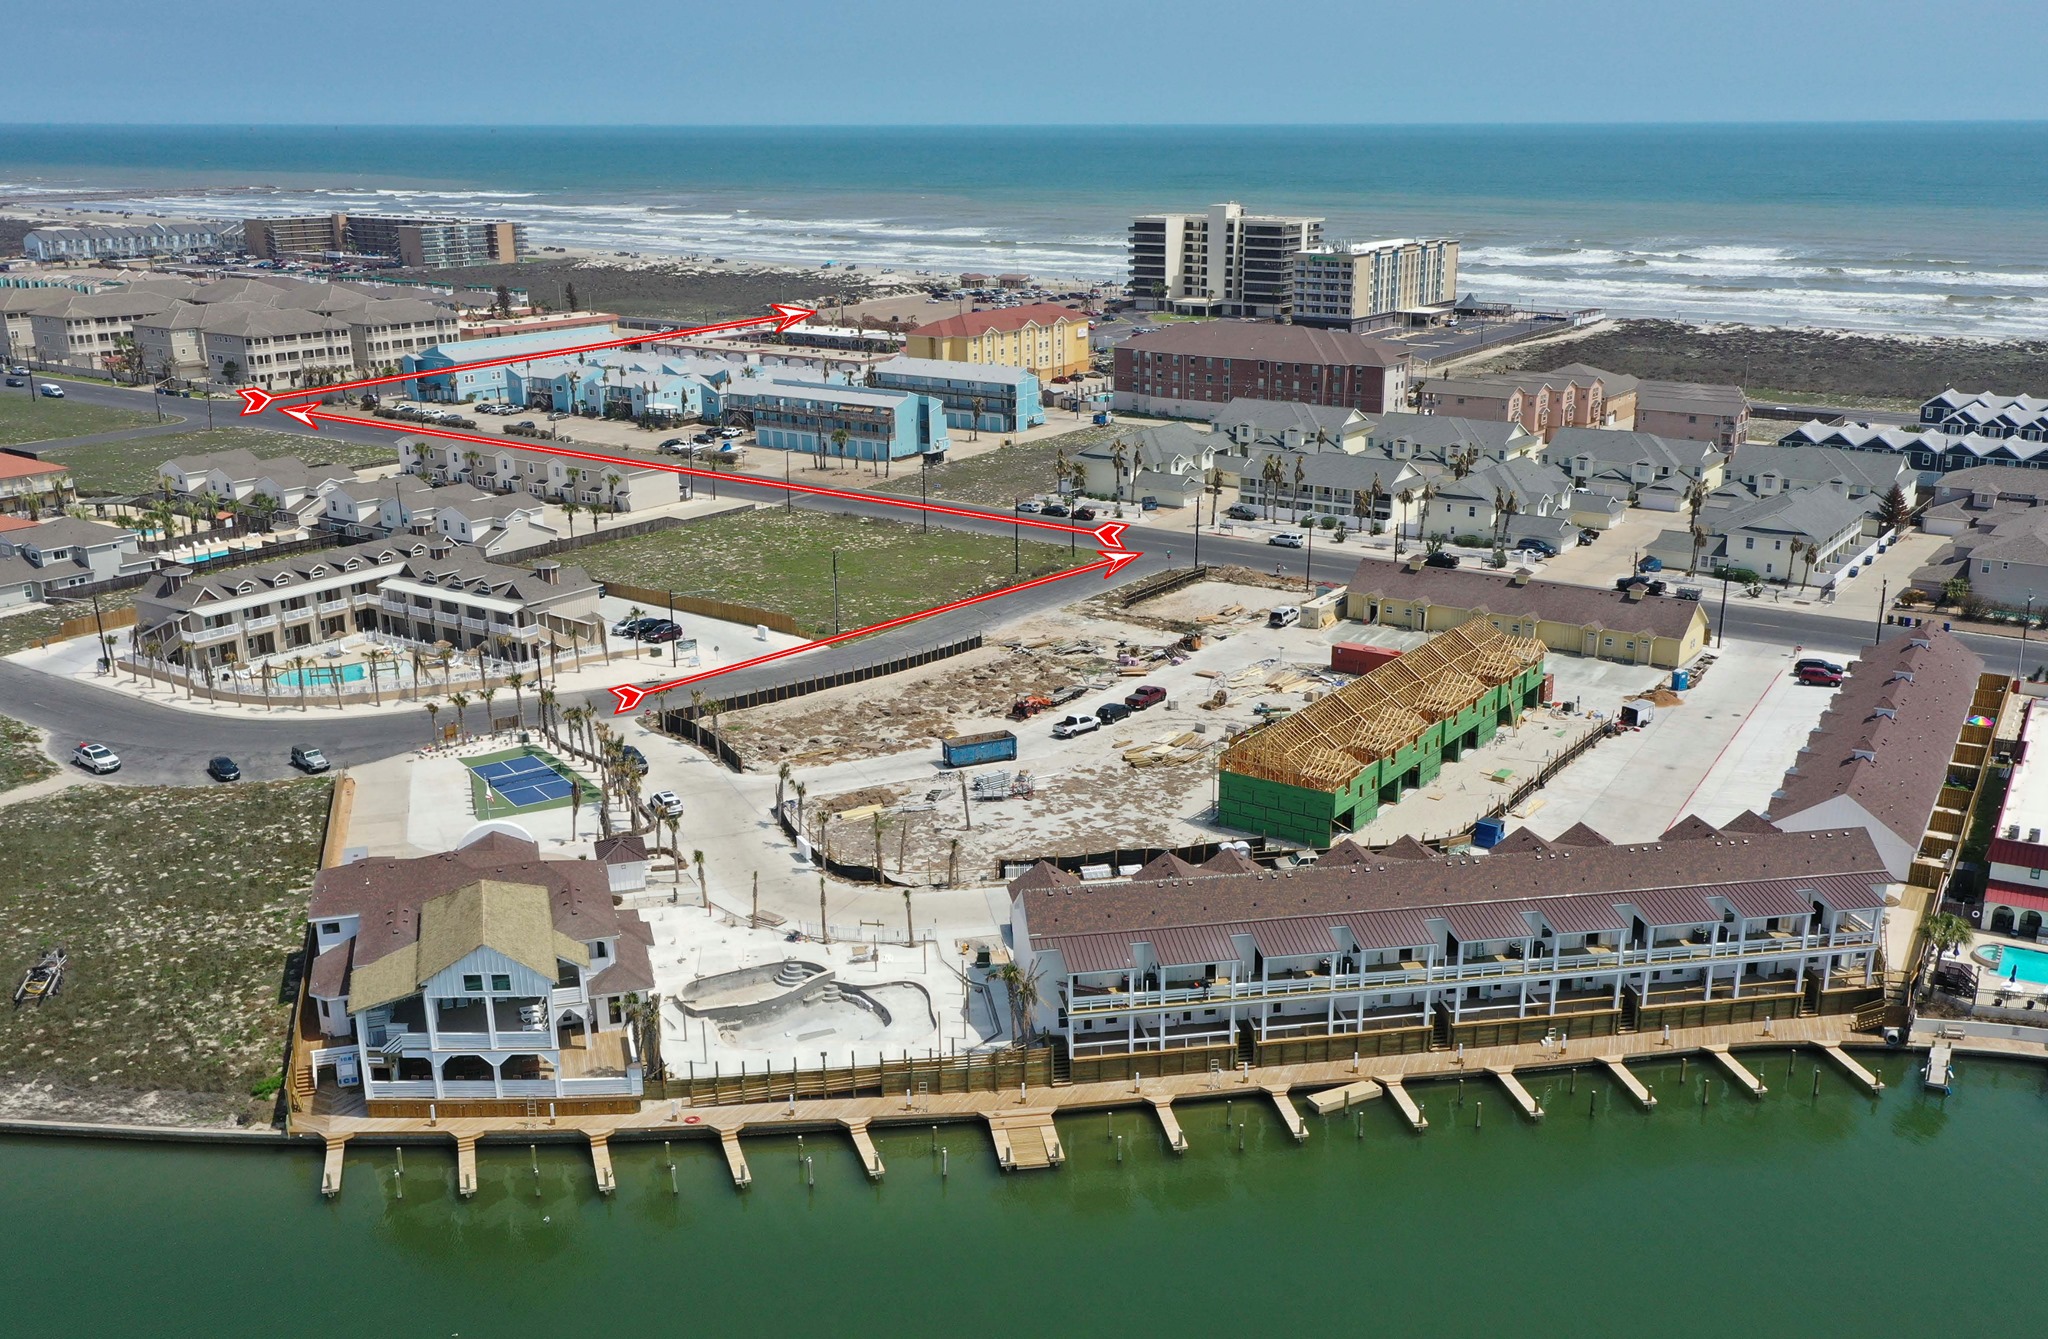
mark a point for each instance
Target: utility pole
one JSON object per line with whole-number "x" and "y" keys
{"x": 1884, "y": 590}
{"x": 835, "y": 591}
{"x": 1016, "y": 537}
{"x": 1721, "y": 639}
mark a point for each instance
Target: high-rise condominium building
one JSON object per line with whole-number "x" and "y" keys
{"x": 422, "y": 243}
{"x": 1366, "y": 284}
{"x": 1221, "y": 263}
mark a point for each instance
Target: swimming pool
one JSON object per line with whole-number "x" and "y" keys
{"x": 323, "y": 676}
{"x": 2001, "y": 959}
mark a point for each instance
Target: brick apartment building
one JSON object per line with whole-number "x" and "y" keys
{"x": 1186, "y": 371}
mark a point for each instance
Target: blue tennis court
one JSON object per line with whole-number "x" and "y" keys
{"x": 527, "y": 782}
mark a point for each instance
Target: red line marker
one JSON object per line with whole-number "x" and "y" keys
{"x": 1108, "y": 535}
{"x": 630, "y": 695}
{"x": 785, "y": 316}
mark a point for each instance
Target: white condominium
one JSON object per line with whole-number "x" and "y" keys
{"x": 1368, "y": 283}
{"x": 1221, "y": 263}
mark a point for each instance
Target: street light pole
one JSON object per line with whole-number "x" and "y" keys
{"x": 1721, "y": 639}
{"x": 1307, "y": 568}
{"x": 2019, "y": 673}
{"x": 835, "y": 591}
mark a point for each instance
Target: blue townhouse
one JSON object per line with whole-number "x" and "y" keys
{"x": 490, "y": 383}
{"x": 1009, "y": 396}
{"x": 809, "y": 416}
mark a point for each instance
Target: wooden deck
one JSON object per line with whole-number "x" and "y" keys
{"x": 1169, "y": 1124}
{"x": 1737, "y": 1071}
{"x": 1870, "y": 1082}
{"x": 1010, "y": 1113}
{"x": 1517, "y": 1094}
{"x": 1290, "y": 1114}
{"x": 1627, "y": 1079}
{"x": 1342, "y": 1099}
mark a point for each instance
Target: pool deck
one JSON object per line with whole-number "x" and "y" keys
{"x": 1020, "y": 1121}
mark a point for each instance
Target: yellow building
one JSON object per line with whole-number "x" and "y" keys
{"x": 1637, "y": 629}
{"x": 1044, "y": 338}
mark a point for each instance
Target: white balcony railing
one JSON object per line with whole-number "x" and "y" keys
{"x": 334, "y": 606}
{"x": 562, "y": 995}
{"x": 1120, "y": 1000}
{"x": 395, "y": 1088}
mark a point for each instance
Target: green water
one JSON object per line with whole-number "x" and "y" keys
{"x": 1793, "y": 1215}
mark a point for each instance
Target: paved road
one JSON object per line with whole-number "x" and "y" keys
{"x": 225, "y": 414}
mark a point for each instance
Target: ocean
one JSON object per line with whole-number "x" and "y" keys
{"x": 1910, "y": 228}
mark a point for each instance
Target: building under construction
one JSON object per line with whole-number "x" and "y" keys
{"x": 1327, "y": 769}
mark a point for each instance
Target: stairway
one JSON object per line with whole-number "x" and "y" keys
{"x": 1247, "y": 1044}
{"x": 1631, "y": 1012}
{"x": 791, "y": 973}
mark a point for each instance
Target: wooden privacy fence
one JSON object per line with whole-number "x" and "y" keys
{"x": 819, "y": 683}
{"x": 1163, "y": 583}
{"x": 80, "y": 627}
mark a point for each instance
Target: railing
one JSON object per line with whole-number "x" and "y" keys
{"x": 561, "y": 995}
{"x": 334, "y": 606}
{"x": 457, "y": 1041}
{"x": 376, "y": 1089}
{"x": 259, "y": 624}
{"x": 468, "y": 1088}
{"x": 627, "y": 1086}
{"x": 1733, "y": 950}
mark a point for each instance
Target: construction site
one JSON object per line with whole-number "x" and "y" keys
{"x": 1326, "y": 770}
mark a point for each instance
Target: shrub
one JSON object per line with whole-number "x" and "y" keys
{"x": 267, "y": 1087}
{"x": 1741, "y": 576}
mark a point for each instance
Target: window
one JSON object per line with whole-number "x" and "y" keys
{"x": 2034, "y": 874}
{"x": 598, "y": 950}
{"x": 474, "y": 984}
{"x": 501, "y": 982}
{"x": 330, "y": 927}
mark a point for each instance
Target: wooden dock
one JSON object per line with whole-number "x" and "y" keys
{"x": 1749, "y": 1082}
{"x": 1025, "y": 1140}
{"x": 1290, "y": 1114}
{"x": 1940, "y": 1066}
{"x": 601, "y": 1162}
{"x": 465, "y": 1165}
{"x": 1628, "y": 1080}
{"x": 1517, "y": 1094}
{"x": 865, "y": 1146}
{"x": 1869, "y": 1081}
{"x": 1342, "y": 1099}
{"x": 1410, "y": 1112}
{"x": 1169, "y": 1124}
{"x": 742, "y": 1177}
{"x": 330, "y": 1171}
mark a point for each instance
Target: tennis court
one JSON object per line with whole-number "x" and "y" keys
{"x": 518, "y": 782}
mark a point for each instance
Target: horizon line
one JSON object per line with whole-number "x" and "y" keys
{"x": 1015, "y": 125}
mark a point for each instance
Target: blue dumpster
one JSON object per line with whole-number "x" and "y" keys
{"x": 1487, "y": 833}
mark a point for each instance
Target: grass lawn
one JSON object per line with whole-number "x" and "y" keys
{"x": 22, "y": 759}
{"x": 20, "y": 631}
{"x": 130, "y": 467}
{"x": 179, "y": 907}
{"x": 31, "y": 418}
{"x": 783, "y": 561}
{"x": 997, "y": 478}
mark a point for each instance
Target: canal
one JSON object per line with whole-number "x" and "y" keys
{"x": 1796, "y": 1214}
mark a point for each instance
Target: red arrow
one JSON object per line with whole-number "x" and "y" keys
{"x": 1108, "y": 535}
{"x": 256, "y": 401}
{"x": 630, "y": 695}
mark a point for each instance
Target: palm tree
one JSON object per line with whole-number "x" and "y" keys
{"x": 1407, "y": 499}
{"x": 374, "y": 659}
{"x": 546, "y": 697}
{"x": 1120, "y": 458}
{"x": 781, "y": 783}
{"x": 299, "y": 665}
{"x": 516, "y": 681}
{"x": 1022, "y": 989}
{"x": 485, "y": 697}
{"x": 978, "y": 404}
{"x": 1300, "y": 478}
{"x": 703, "y": 888}
{"x": 839, "y": 438}
{"x": 460, "y": 701}
{"x": 1810, "y": 552}
{"x": 800, "y": 788}
{"x": 575, "y": 806}
{"x": 445, "y": 654}
{"x": 433, "y": 721}
{"x": 569, "y": 509}
{"x": 612, "y": 480}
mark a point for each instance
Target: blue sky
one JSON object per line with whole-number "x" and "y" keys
{"x": 865, "y": 62}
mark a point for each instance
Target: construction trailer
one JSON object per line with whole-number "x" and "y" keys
{"x": 1326, "y": 770}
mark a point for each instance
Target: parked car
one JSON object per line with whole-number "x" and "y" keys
{"x": 1147, "y": 695}
{"x": 18, "y": 371}
{"x": 308, "y": 759}
{"x": 1240, "y": 512}
{"x": 223, "y": 768}
{"x": 1815, "y": 674}
{"x": 1650, "y": 564}
{"x": 1587, "y": 537}
{"x": 666, "y": 804}
{"x": 674, "y": 446}
{"x": 635, "y": 759}
{"x": 1109, "y": 713}
{"x": 1070, "y": 726}
{"x": 50, "y": 390}
{"x": 661, "y": 631}
{"x": 16, "y": 381}
{"x": 732, "y": 434}
{"x": 1084, "y": 513}
{"x": 1030, "y": 505}
{"x": 1286, "y": 539}
{"x": 1819, "y": 663}
{"x": 1056, "y": 509}
{"x": 96, "y": 757}
{"x": 1539, "y": 546}
{"x": 630, "y": 627}
{"x": 1441, "y": 559}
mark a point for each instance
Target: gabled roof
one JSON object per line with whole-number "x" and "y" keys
{"x": 1001, "y": 318}
{"x": 1580, "y": 834}
{"x": 1690, "y": 828}
{"x": 1521, "y": 839}
{"x": 1406, "y": 848}
{"x": 1165, "y": 865}
{"x": 1230, "y": 860}
{"x": 1044, "y": 874}
{"x": 513, "y": 920}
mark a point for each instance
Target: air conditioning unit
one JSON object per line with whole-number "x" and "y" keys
{"x": 2012, "y": 832}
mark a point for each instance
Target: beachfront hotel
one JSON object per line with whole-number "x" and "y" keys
{"x": 484, "y": 975}
{"x": 1407, "y": 950}
{"x": 1043, "y": 338}
{"x": 422, "y": 243}
{"x": 1224, "y": 262}
{"x": 1367, "y": 285}
{"x": 1185, "y": 370}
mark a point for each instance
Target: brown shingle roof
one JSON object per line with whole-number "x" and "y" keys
{"x": 1520, "y": 840}
{"x": 1495, "y": 593}
{"x": 1406, "y": 848}
{"x": 1165, "y": 865}
{"x": 1690, "y": 828}
{"x": 1273, "y": 343}
{"x": 1002, "y": 318}
{"x": 1578, "y": 834}
{"x": 1230, "y": 860}
{"x": 1765, "y": 869}
{"x": 1932, "y": 677}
